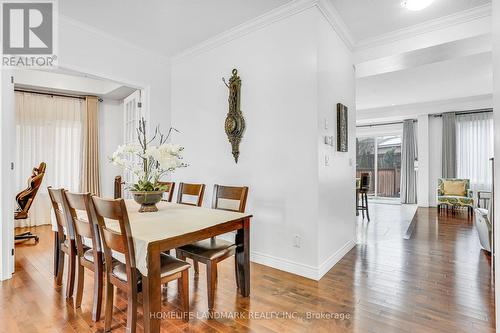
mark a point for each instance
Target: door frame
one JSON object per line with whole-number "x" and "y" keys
{"x": 7, "y": 173}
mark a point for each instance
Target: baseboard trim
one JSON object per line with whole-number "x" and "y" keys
{"x": 286, "y": 265}
{"x": 335, "y": 258}
{"x": 307, "y": 271}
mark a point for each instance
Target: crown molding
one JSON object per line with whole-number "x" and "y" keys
{"x": 425, "y": 27}
{"x": 292, "y": 8}
{"x": 89, "y": 28}
{"x": 333, "y": 17}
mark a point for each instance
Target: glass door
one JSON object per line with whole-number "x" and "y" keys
{"x": 365, "y": 160}
{"x": 380, "y": 157}
{"x": 388, "y": 166}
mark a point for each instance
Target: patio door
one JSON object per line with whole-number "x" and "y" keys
{"x": 380, "y": 157}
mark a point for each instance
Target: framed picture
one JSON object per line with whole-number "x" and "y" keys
{"x": 342, "y": 135}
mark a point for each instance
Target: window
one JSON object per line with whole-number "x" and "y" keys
{"x": 475, "y": 148}
{"x": 48, "y": 129}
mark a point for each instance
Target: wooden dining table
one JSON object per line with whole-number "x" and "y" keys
{"x": 173, "y": 226}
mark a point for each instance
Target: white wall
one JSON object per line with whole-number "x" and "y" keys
{"x": 336, "y": 209}
{"x": 110, "y": 136}
{"x": 423, "y": 144}
{"x": 496, "y": 90}
{"x": 279, "y": 158}
{"x": 435, "y": 139}
{"x": 85, "y": 49}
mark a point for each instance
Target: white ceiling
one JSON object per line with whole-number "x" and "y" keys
{"x": 166, "y": 27}
{"x": 456, "y": 78}
{"x": 370, "y": 18}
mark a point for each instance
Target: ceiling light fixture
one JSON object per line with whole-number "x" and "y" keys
{"x": 417, "y": 4}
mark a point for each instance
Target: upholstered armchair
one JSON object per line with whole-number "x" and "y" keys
{"x": 452, "y": 192}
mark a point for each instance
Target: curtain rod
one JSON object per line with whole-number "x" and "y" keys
{"x": 53, "y": 94}
{"x": 432, "y": 114}
{"x": 384, "y": 124}
{"x": 436, "y": 115}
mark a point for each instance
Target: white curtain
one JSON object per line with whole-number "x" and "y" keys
{"x": 49, "y": 129}
{"x": 475, "y": 148}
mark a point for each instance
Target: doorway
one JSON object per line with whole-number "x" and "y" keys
{"x": 380, "y": 157}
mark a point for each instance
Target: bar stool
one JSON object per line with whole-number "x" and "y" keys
{"x": 363, "y": 192}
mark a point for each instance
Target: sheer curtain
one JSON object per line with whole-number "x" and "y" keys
{"x": 475, "y": 148}
{"x": 49, "y": 129}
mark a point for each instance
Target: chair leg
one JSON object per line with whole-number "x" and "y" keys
{"x": 98, "y": 282}
{"x": 236, "y": 273}
{"x": 366, "y": 205}
{"x": 196, "y": 267}
{"x": 211, "y": 277}
{"x": 60, "y": 268}
{"x": 183, "y": 290}
{"x": 132, "y": 309}
{"x": 108, "y": 310}
{"x": 79, "y": 285}
{"x": 70, "y": 284}
{"x": 56, "y": 253}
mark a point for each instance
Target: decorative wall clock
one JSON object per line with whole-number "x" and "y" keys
{"x": 235, "y": 123}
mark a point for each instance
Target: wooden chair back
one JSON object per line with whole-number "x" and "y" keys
{"x": 222, "y": 193}
{"x": 61, "y": 211}
{"x": 365, "y": 181}
{"x": 80, "y": 205}
{"x": 170, "y": 192}
{"x": 115, "y": 211}
{"x": 25, "y": 198}
{"x": 118, "y": 192}
{"x": 196, "y": 190}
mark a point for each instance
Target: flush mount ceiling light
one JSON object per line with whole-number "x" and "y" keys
{"x": 417, "y": 4}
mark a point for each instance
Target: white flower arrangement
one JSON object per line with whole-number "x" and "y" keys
{"x": 153, "y": 162}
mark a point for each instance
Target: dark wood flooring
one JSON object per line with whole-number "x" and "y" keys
{"x": 438, "y": 280}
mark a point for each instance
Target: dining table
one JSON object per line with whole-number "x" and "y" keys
{"x": 173, "y": 226}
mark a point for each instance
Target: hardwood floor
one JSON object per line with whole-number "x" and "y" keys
{"x": 438, "y": 280}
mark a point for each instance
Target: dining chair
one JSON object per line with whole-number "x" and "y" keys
{"x": 118, "y": 192}
{"x": 125, "y": 276}
{"x": 66, "y": 239}
{"x": 85, "y": 226}
{"x": 195, "y": 191}
{"x": 170, "y": 190}
{"x": 211, "y": 251}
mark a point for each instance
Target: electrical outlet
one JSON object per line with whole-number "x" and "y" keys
{"x": 326, "y": 123}
{"x": 296, "y": 241}
{"x": 327, "y": 160}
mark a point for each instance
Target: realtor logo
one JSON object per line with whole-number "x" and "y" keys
{"x": 28, "y": 30}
